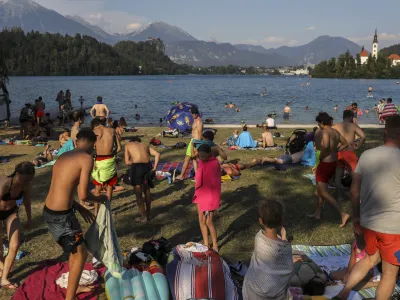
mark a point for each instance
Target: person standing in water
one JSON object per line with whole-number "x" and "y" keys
{"x": 81, "y": 100}
{"x": 287, "y": 111}
{"x": 60, "y": 206}
{"x": 100, "y": 110}
{"x": 264, "y": 92}
{"x": 14, "y": 189}
{"x": 370, "y": 91}
{"x": 197, "y": 133}
{"x": 327, "y": 141}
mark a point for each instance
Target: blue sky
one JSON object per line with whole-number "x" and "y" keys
{"x": 270, "y": 23}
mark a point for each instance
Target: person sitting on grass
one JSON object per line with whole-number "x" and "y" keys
{"x": 245, "y": 140}
{"x": 271, "y": 264}
{"x": 44, "y": 158}
{"x": 207, "y": 193}
{"x": 231, "y": 141}
{"x": 64, "y": 137}
{"x": 216, "y": 151}
{"x": 267, "y": 139}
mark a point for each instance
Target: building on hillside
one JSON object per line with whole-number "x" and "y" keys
{"x": 395, "y": 59}
{"x": 375, "y": 45}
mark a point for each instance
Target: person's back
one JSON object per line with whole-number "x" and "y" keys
{"x": 380, "y": 189}
{"x": 106, "y": 139}
{"x": 268, "y": 139}
{"x": 271, "y": 264}
{"x": 270, "y": 122}
{"x": 327, "y": 138}
{"x": 138, "y": 152}
{"x": 62, "y": 183}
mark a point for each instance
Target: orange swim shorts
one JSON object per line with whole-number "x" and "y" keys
{"x": 325, "y": 171}
{"x": 388, "y": 245}
{"x": 347, "y": 158}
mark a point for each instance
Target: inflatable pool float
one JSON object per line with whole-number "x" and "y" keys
{"x": 134, "y": 284}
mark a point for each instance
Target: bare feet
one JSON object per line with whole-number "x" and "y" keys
{"x": 179, "y": 177}
{"x": 314, "y": 216}
{"x": 215, "y": 248}
{"x": 257, "y": 160}
{"x": 84, "y": 289}
{"x": 141, "y": 220}
{"x": 345, "y": 220}
{"x": 5, "y": 284}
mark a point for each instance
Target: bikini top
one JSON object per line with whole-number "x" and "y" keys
{"x": 7, "y": 196}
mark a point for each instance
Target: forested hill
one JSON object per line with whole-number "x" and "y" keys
{"x": 394, "y": 49}
{"x": 47, "y": 54}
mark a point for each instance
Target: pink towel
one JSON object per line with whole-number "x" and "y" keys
{"x": 208, "y": 185}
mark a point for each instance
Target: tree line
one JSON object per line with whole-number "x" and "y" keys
{"x": 346, "y": 66}
{"x": 37, "y": 54}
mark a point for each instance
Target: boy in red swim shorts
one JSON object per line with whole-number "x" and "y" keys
{"x": 375, "y": 197}
{"x": 327, "y": 141}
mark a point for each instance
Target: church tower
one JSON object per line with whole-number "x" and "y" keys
{"x": 375, "y": 45}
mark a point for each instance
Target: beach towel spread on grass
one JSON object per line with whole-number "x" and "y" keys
{"x": 49, "y": 164}
{"x": 333, "y": 258}
{"x": 196, "y": 272}
{"x": 171, "y": 166}
{"x": 245, "y": 140}
{"x": 102, "y": 241}
{"x": 41, "y": 284}
{"x": 104, "y": 169}
{"x": 68, "y": 146}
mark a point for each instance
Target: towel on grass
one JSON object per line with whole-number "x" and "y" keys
{"x": 41, "y": 284}
{"x": 49, "y": 164}
{"x": 68, "y": 146}
{"x": 170, "y": 166}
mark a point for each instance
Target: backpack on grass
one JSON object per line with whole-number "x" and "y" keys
{"x": 296, "y": 142}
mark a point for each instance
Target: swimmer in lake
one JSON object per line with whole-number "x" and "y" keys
{"x": 307, "y": 107}
{"x": 264, "y": 92}
{"x": 231, "y": 105}
{"x": 367, "y": 111}
{"x": 336, "y": 107}
{"x": 226, "y": 105}
{"x": 370, "y": 91}
{"x": 286, "y": 111}
{"x": 237, "y": 109}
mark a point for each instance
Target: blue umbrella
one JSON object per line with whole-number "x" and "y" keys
{"x": 179, "y": 116}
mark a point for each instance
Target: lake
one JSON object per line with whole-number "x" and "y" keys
{"x": 153, "y": 95}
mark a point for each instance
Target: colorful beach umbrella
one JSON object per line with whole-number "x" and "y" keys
{"x": 179, "y": 116}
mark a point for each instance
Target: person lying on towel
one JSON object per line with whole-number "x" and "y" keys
{"x": 44, "y": 158}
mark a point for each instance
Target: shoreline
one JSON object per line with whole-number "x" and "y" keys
{"x": 283, "y": 126}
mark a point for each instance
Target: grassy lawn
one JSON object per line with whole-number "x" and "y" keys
{"x": 174, "y": 216}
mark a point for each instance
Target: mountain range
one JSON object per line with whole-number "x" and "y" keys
{"x": 180, "y": 46}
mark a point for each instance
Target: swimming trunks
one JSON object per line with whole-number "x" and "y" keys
{"x": 65, "y": 228}
{"x": 347, "y": 158}
{"x": 286, "y": 159}
{"x": 325, "y": 171}
{"x": 40, "y": 114}
{"x": 140, "y": 173}
{"x": 388, "y": 245}
{"x": 105, "y": 171}
{"x": 236, "y": 167}
{"x": 286, "y": 115}
{"x": 189, "y": 151}
{"x": 5, "y": 214}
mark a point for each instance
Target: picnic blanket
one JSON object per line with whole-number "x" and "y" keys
{"x": 49, "y": 164}
{"x": 41, "y": 284}
{"x": 333, "y": 258}
{"x": 171, "y": 166}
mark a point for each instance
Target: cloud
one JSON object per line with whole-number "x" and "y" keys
{"x": 272, "y": 41}
{"x": 133, "y": 26}
{"x": 381, "y": 37}
{"x": 115, "y": 21}
{"x": 311, "y": 28}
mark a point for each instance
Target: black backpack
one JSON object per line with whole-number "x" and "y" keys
{"x": 296, "y": 142}
{"x": 180, "y": 145}
{"x": 309, "y": 276}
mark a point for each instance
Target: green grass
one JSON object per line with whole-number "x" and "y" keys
{"x": 174, "y": 216}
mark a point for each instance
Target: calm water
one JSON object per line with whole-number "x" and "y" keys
{"x": 153, "y": 95}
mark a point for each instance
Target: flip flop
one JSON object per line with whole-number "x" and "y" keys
{"x": 10, "y": 286}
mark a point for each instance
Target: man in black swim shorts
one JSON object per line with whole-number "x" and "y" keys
{"x": 137, "y": 157}
{"x": 59, "y": 210}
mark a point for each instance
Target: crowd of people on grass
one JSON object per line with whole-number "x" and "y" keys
{"x": 374, "y": 193}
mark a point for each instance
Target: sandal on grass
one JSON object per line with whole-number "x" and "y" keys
{"x": 10, "y": 286}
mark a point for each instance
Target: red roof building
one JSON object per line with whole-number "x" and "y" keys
{"x": 364, "y": 53}
{"x": 394, "y": 57}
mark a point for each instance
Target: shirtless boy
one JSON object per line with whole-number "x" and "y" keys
{"x": 59, "y": 213}
{"x": 267, "y": 138}
{"x": 79, "y": 118}
{"x": 105, "y": 167}
{"x": 234, "y": 169}
{"x": 100, "y": 110}
{"x": 197, "y": 131}
{"x": 286, "y": 111}
{"x": 347, "y": 157}
{"x": 327, "y": 141}
{"x": 137, "y": 158}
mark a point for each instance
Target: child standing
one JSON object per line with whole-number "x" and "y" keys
{"x": 208, "y": 193}
{"x": 271, "y": 265}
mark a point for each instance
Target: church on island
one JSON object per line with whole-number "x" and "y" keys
{"x": 375, "y": 49}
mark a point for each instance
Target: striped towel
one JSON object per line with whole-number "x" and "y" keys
{"x": 342, "y": 252}
{"x": 170, "y": 166}
{"x": 200, "y": 275}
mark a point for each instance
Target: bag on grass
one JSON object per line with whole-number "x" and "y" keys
{"x": 309, "y": 277}
{"x": 180, "y": 145}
